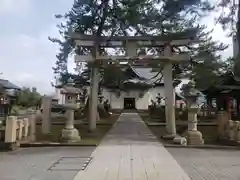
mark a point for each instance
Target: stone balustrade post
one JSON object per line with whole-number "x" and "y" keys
{"x": 10, "y": 132}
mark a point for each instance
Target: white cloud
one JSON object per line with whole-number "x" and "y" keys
{"x": 218, "y": 34}
{"x": 28, "y": 61}
{"x": 14, "y": 6}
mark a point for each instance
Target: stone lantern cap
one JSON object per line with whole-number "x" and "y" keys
{"x": 189, "y": 90}
{"x": 70, "y": 89}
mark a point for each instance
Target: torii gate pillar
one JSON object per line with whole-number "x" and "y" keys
{"x": 169, "y": 96}
{"x": 93, "y": 103}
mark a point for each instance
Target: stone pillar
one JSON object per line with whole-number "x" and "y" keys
{"x": 32, "y": 129}
{"x": 93, "y": 101}
{"x": 46, "y": 115}
{"x": 169, "y": 99}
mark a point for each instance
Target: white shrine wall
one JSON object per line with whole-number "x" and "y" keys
{"x": 142, "y": 103}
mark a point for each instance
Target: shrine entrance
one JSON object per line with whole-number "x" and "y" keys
{"x": 100, "y": 58}
{"x": 129, "y": 103}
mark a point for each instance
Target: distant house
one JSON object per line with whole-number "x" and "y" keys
{"x": 7, "y": 96}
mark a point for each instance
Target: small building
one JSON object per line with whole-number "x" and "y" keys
{"x": 225, "y": 94}
{"x": 7, "y": 96}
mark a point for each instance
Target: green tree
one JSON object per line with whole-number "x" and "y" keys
{"x": 137, "y": 17}
{"x": 28, "y": 98}
{"x": 229, "y": 18}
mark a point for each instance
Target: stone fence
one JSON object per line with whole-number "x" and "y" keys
{"x": 18, "y": 129}
{"x": 228, "y": 129}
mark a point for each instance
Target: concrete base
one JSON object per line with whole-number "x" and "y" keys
{"x": 70, "y": 135}
{"x": 10, "y": 146}
{"x": 169, "y": 136}
{"x": 194, "y": 138}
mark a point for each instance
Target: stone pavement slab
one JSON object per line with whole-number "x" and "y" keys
{"x": 131, "y": 152}
{"x": 209, "y": 164}
{"x": 45, "y": 163}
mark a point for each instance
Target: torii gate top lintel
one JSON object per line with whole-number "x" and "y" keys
{"x": 189, "y": 35}
{"x": 131, "y": 43}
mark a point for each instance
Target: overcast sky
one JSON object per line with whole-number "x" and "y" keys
{"x": 26, "y": 54}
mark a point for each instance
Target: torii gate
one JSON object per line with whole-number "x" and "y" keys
{"x": 131, "y": 57}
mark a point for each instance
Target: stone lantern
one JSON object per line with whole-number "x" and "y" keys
{"x": 194, "y": 137}
{"x": 70, "y": 133}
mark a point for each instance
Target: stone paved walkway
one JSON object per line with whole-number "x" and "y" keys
{"x": 43, "y": 163}
{"x": 131, "y": 152}
{"x": 208, "y": 164}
